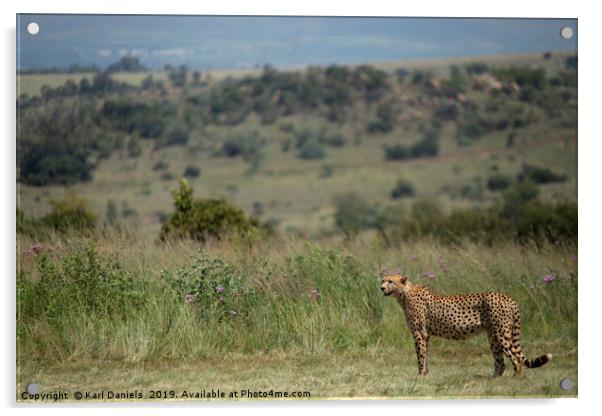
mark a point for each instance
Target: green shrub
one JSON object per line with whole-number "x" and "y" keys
{"x": 70, "y": 214}
{"x": 176, "y": 137}
{"x": 447, "y": 112}
{"x": 472, "y": 191}
{"x": 160, "y": 165}
{"x": 403, "y": 188}
{"x": 475, "y": 68}
{"x": 351, "y": 213}
{"x": 421, "y": 77}
{"x": 571, "y": 63}
{"x": 498, "y": 182}
{"x": 523, "y": 76}
{"x": 334, "y": 140}
{"x": 385, "y": 117}
{"x": 540, "y": 175}
{"x": 396, "y": 152}
{"x": 78, "y": 283}
{"x": 200, "y": 219}
{"x": 192, "y": 171}
{"x": 428, "y": 146}
{"x": 245, "y": 146}
{"x": 287, "y": 127}
{"x": 521, "y": 218}
{"x": 552, "y": 222}
{"x": 311, "y": 150}
{"x": 111, "y": 213}
{"x": 210, "y": 286}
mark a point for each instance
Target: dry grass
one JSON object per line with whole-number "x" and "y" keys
{"x": 456, "y": 370}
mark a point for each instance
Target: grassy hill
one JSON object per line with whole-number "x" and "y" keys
{"x": 272, "y": 180}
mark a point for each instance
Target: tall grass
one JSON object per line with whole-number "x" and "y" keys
{"x": 124, "y": 298}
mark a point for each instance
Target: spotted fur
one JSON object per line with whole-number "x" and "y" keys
{"x": 461, "y": 317}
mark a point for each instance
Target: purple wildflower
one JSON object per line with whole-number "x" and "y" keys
{"x": 219, "y": 289}
{"x": 548, "y": 278}
{"x": 428, "y": 275}
{"x": 440, "y": 259}
{"x": 190, "y": 297}
{"x": 36, "y": 248}
{"x": 413, "y": 257}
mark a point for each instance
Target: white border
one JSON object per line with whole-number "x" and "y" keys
{"x": 589, "y": 201}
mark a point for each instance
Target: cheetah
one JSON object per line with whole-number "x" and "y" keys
{"x": 461, "y": 317}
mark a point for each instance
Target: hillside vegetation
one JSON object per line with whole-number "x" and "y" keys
{"x": 283, "y": 144}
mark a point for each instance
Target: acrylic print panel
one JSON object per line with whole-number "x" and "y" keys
{"x": 295, "y": 208}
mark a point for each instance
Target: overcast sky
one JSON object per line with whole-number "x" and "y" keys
{"x": 234, "y": 42}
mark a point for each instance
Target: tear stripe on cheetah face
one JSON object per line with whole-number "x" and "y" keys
{"x": 460, "y": 317}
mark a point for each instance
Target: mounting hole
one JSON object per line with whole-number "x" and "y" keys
{"x": 566, "y": 32}
{"x": 566, "y": 384}
{"x": 32, "y": 388}
{"x": 33, "y": 28}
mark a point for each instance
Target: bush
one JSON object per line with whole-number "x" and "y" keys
{"x": 571, "y": 63}
{"x": 70, "y": 214}
{"x": 385, "y": 114}
{"x": 523, "y": 76}
{"x": 555, "y": 223}
{"x": 498, "y": 182}
{"x": 77, "y": 284}
{"x": 176, "y": 136}
{"x": 200, "y": 219}
{"x": 248, "y": 147}
{"x": 476, "y": 68}
{"x": 403, "y": 188}
{"x": 111, "y": 213}
{"x": 535, "y": 221}
{"x": 401, "y": 74}
{"x": 540, "y": 175}
{"x": 134, "y": 147}
{"x": 160, "y": 165}
{"x": 351, "y": 213}
{"x": 334, "y": 140}
{"x": 518, "y": 194}
{"x": 211, "y": 287}
{"x": 192, "y": 171}
{"x": 396, "y": 152}
{"x": 428, "y": 146}
{"x": 472, "y": 191}
{"x": 421, "y": 77}
{"x": 311, "y": 150}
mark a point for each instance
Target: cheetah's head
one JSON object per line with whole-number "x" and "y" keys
{"x": 393, "y": 284}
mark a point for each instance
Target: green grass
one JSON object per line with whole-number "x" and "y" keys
{"x": 376, "y": 374}
{"x": 350, "y": 342}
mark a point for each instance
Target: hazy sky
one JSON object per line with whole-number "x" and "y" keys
{"x": 227, "y": 42}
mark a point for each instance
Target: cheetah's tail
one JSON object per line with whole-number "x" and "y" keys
{"x": 539, "y": 361}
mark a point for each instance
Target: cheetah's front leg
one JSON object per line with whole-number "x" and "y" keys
{"x": 421, "y": 342}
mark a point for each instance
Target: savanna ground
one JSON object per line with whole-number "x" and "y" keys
{"x": 307, "y": 318}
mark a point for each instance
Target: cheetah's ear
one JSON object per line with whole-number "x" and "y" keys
{"x": 404, "y": 279}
